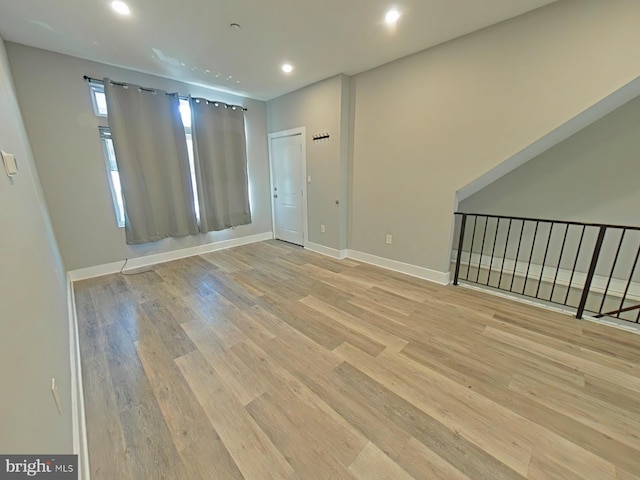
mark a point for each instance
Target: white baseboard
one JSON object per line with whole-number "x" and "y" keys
{"x": 615, "y": 323}
{"x": 413, "y": 270}
{"x": 148, "y": 260}
{"x": 330, "y": 252}
{"x": 520, "y": 299}
{"x": 610, "y": 322}
{"x": 548, "y": 275}
{"x": 78, "y": 419}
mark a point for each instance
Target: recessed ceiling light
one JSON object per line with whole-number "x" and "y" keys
{"x": 120, "y": 7}
{"x": 235, "y": 26}
{"x": 287, "y": 68}
{"x": 392, "y": 16}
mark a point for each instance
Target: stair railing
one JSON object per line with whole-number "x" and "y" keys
{"x": 589, "y": 267}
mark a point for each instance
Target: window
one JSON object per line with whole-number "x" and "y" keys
{"x": 114, "y": 176}
{"x": 100, "y": 109}
{"x": 99, "y": 99}
{"x": 185, "y": 113}
{"x": 192, "y": 167}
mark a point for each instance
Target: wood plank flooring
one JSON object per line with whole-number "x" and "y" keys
{"x": 270, "y": 362}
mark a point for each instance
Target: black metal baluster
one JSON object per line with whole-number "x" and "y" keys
{"x": 504, "y": 254}
{"x": 555, "y": 279}
{"x": 493, "y": 251}
{"x": 563, "y": 257}
{"x": 473, "y": 241}
{"x": 626, "y": 290}
{"x": 592, "y": 271}
{"x": 544, "y": 260}
{"x": 463, "y": 224}
{"x": 515, "y": 263}
{"x": 615, "y": 261}
{"x": 533, "y": 246}
{"x": 575, "y": 264}
{"x": 484, "y": 237}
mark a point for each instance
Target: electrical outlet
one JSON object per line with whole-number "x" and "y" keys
{"x": 389, "y": 239}
{"x": 54, "y": 392}
{"x": 322, "y": 229}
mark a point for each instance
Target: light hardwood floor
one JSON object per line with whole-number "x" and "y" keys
{"x": 271, "y": 362}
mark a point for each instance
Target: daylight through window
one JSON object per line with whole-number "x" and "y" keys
{"x": 100, "y": 109}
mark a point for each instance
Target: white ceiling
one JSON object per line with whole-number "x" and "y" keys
{"x": 181, "y": 39}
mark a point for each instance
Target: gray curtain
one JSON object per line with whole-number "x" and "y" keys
{"x": 153, "y": 162}
{"x": 220, "y": 157}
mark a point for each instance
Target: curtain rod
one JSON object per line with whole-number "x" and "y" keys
{"x": 181, "y": 97}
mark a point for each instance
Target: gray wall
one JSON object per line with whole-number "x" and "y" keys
{"x": 34, "y": 335}
{"x": 321, "y": 108}
{"x": 420, "y": 129}
{"x": 590, "y": 177}
{"x": 427, "y": 125}
{"x": 63, "y": 129}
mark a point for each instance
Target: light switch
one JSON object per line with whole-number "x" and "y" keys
{"x": 10, "y": 164}
{"x": 309, "y": 179}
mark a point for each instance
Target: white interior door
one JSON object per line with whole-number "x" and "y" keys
{"x": 287, "y": 170}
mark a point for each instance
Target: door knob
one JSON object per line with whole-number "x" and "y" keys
{"x": 275, "y": 195}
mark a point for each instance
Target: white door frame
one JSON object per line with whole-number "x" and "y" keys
{"x": 302, "y": 131}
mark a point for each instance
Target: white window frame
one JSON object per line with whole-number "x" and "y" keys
{"x": 118, "y": 203}
{"x": 95, "y": 89}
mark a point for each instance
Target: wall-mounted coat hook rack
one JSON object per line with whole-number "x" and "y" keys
{"x": 321, "y": 136}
